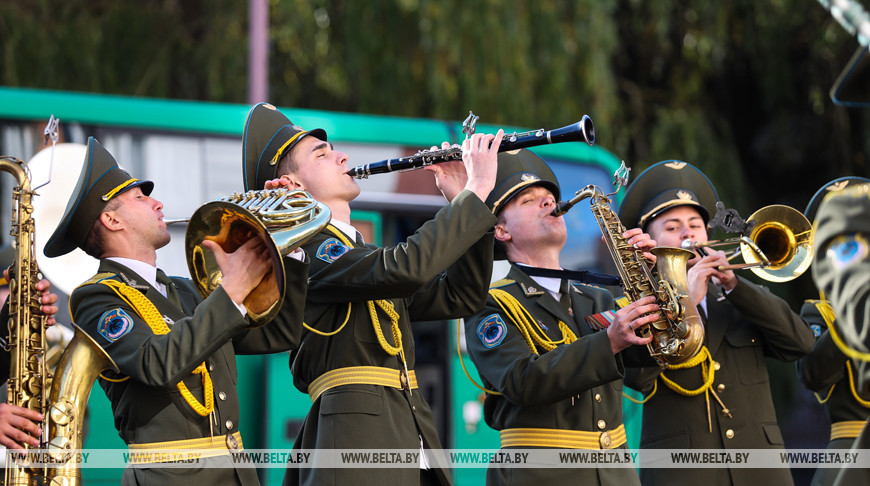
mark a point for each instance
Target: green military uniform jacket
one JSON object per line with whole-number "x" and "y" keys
{"x": 149, "y": 407}
{"x": 740, "y": 331}
{"x": 825, "y": 368}
{"x": 576, "y": 386}
{"x": 842, "y": 272}
{"x": 412, "y": 276}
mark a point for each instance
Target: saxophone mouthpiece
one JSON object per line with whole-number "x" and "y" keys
{"x": 562, "y": 207}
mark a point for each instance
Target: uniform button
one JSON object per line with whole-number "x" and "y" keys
{"x": 601, "y": 424}
{"x": 716, "y": 365}
{"x": 720, "y": 388}
{"x": 210, "y": 366}
{"x": 414, "y": 408}
{"x": 597, "y": 397}
{"x": 729, "y": 433}
{"x": 229, "y": 424}
{"x": 605, "y": 441}
{"x": 222, "y": 395}
{"x": 232, "y": 443}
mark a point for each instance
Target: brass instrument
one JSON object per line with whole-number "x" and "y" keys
{"x": 583, "y": 131}
{"x": 29, "y": 373}
{"x": 678, "y": 334}
{"x": 284, "y": 219}
{"x": 777, "y": 248}
{"x": 79, "y": 366}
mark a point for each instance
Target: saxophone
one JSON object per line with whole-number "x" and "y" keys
{"x": 29, "y": 375}
{"x": 679, "y": 333}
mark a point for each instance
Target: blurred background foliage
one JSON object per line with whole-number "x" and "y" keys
{"x": 739, "y": 88}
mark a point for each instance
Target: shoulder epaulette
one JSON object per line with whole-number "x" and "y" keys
{"x": 98, "y": 278}
{"x": 622, "y": 301}
{"x": 501, "y": 283}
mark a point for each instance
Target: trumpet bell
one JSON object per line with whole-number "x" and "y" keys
{"x": 283, "y": 219}
{"x": 785, "y": 236}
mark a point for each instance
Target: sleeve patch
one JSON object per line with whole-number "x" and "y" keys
{"x": 492, "y": 331}
{"x": 847, "y": 250}
{"x": 817, "y": 329}
{"x": 330, "y": 250}
{"x": 114, "y": 324}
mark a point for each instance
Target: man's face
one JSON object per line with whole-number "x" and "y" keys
{"x": 677, "y": 224}
{"x": 528, "y": 221}
{"x": 322, "y": 171}
{"x": 143, "y": 216}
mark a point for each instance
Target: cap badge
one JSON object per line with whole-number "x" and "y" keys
{"x": 686, "y": 195}
{"x": 267, "y": 105}
{"x": 528, "y": 176}
{"x": 837, "y": 186}
{"x": 675, "y": 165}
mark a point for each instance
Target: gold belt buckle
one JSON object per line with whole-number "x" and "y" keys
{"x": 604, "y": 440}
{"x": 232, "y": 442}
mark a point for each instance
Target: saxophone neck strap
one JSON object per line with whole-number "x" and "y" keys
{"x": 582, "y": 276}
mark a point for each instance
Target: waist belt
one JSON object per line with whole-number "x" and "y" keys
{"x": 175, "y": 450}
{"x": 362, "y": 375}
{"x": 563, "y": 439}
{"x": 847, "y": 429}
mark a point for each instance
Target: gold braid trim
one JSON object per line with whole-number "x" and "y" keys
{"x": 385, "y": 305}
{"x": 119, "y": 188}
{"x": 152, "y": 317}
{"x": 830, "y": 316}
{"x": 861, "y": 401}
{"x": 827, "y": 312}
{"x": 527, "y": 325}
{"x": 707, "y": 372}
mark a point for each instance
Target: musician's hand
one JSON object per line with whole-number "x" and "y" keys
{"x": 480, "y": 156}
{"x": 707, "y": 268}
{"x": 642, "y": 241}
{"x": 47, "y": 299}
{"x": 19, "y": 426}
{"x": 450, "y": 177}
{"x": 282, "y": 182}
{"x": 242, "y": 269}
{"x": 622, "y": 331}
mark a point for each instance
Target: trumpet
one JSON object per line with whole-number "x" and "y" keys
{"x": 778, "y": 248}
{"x": 583, "y": 131}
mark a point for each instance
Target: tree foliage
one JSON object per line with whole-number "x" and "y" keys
{"x": 737, "y": 88}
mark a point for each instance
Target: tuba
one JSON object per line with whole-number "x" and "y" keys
{"x": 29, "y": 374}
{"x": 284, "y": 219}
{"x": 678, "y": 334}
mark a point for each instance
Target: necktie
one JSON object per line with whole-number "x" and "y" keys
{"x": 171, "y": 293}
{"x": 565, "y": 300}
{"x": 702, "y": 313}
